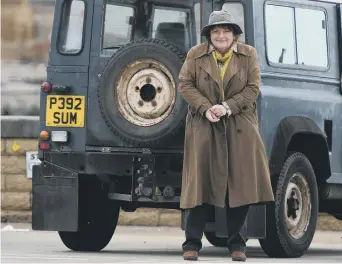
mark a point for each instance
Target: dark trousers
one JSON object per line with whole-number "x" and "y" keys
{"x": 196, "y": 221}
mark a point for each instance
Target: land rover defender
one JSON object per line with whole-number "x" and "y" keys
{"x": 112, "y": 120}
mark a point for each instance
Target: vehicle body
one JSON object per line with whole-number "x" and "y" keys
{"x": 111, "y": 98}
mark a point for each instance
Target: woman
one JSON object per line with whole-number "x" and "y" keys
{"x": 225, "y": 163}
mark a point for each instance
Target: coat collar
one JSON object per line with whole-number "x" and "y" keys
{"x": 208, "y": 64}
{"x": 206, "y": 48}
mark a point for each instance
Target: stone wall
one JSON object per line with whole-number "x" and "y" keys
{"x": 19, "y": 135}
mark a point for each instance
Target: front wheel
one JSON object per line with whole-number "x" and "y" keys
{"x": 97, "y": 218}
{"x": 291, "y": 220}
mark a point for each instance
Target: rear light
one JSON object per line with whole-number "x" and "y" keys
{"x": 46, "y": 87}
{"x": 44, "y": 145}
{"x": 44, "y": 135}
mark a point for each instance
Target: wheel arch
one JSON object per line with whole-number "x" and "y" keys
{"x": 301, "y": 134}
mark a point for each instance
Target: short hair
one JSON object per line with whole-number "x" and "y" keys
{"x": 236, "y": 36}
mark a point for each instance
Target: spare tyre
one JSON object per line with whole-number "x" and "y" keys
{"x": 138, "y": 93}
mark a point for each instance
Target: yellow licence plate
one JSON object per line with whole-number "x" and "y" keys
{"x": 65, "y": 111}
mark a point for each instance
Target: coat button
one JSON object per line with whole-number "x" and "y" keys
{"x": 244, "y": 107}
{"x": 239, "y": 131}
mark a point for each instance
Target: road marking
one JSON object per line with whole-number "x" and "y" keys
{"x": 10, "y": 228}
{"x": 41, "y": 257}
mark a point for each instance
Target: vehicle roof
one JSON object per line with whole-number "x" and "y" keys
{"x": 329, "y": 1}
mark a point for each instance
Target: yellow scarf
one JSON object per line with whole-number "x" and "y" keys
{"x": 225, "y": 60}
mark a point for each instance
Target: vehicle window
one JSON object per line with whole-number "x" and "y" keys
{"x": 117, "y": 29}
{"x": 171, "y": 25}
{"x": 197, "y": 10}
{"x": 236, "y": 9}
{"x": 175, "y": 24}
{"x": 311, "y": 37}
{"x": 71, "y": 34}
{"x": 292, "y": 40}
{"x": 280, "y": 37}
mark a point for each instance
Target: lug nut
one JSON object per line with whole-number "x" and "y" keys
{"x": 137, "y": 88}
{"x": 159, "y": 89}
{"x": 141, "y": 103}
{"x": 148, "y": 79}
{"x": 154, "y": 103}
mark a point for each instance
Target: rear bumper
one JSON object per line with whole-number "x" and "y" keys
{"x": 119, "y": 163}
{"x": 155, "y": 177}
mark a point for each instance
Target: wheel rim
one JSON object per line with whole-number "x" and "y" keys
{"x": 297, "y": 205}
{"x": 145, "y": 92}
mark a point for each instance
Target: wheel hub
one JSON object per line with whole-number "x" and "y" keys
{"x": 297, "y": 205}
{"x": 145, "y": 92}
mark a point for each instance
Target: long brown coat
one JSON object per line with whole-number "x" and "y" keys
{"x": 228, "y": 155}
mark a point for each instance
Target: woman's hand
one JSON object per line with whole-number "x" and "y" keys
{"x": 219, "y": 110}
{"x": 211, "y": 116}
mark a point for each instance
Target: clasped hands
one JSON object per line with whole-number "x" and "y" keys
{"x": 214, "y": 113}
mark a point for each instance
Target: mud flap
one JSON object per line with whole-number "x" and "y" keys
{"x": 54, "y": 198}
{"x": 252, "y": 228}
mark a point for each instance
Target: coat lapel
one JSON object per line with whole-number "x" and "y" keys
{"x": 208, "y": 64}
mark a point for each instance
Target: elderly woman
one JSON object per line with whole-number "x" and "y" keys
{"x": 225, "y": 163}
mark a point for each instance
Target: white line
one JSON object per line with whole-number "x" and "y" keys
{"x": 40, "y": 257}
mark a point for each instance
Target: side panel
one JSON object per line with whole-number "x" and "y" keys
{"x": 298, "y": 90}
{"x": 337, "y": 128}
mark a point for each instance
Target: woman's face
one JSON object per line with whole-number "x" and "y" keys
{"x": 222, "y": 37}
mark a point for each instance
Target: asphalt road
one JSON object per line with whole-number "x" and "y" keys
{"x": 19, "y": 244}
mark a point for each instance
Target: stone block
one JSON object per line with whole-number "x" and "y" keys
{"x": 19, "y": 126}
{"x": 15, "y": 201}
{"x": 170, "y": 219}
{"x": 21, "y": 146}
{"x": 18, "y": 183}
{"x": 327, "y": 222}
{"x": 13, "y": 165}
{"x": 170, "y": 211}
{"x": 3, "y": 146}
{"x": 141, "y": 217}
{"x": 3, "y": 182}
{"x": 16, "y": 216}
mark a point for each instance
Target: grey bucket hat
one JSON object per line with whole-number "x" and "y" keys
{"x": 221, "y": 17}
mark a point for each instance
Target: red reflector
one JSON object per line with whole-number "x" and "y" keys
{"x": 44, "y": 145}
{"x": 46, "y": 87}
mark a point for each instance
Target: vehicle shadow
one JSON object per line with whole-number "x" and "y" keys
{"x": 252, "y": 252}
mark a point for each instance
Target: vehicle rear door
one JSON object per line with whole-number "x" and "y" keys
{"x": 63, "y": 109}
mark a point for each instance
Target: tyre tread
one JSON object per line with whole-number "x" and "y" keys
{"x": 276, "y": 244}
